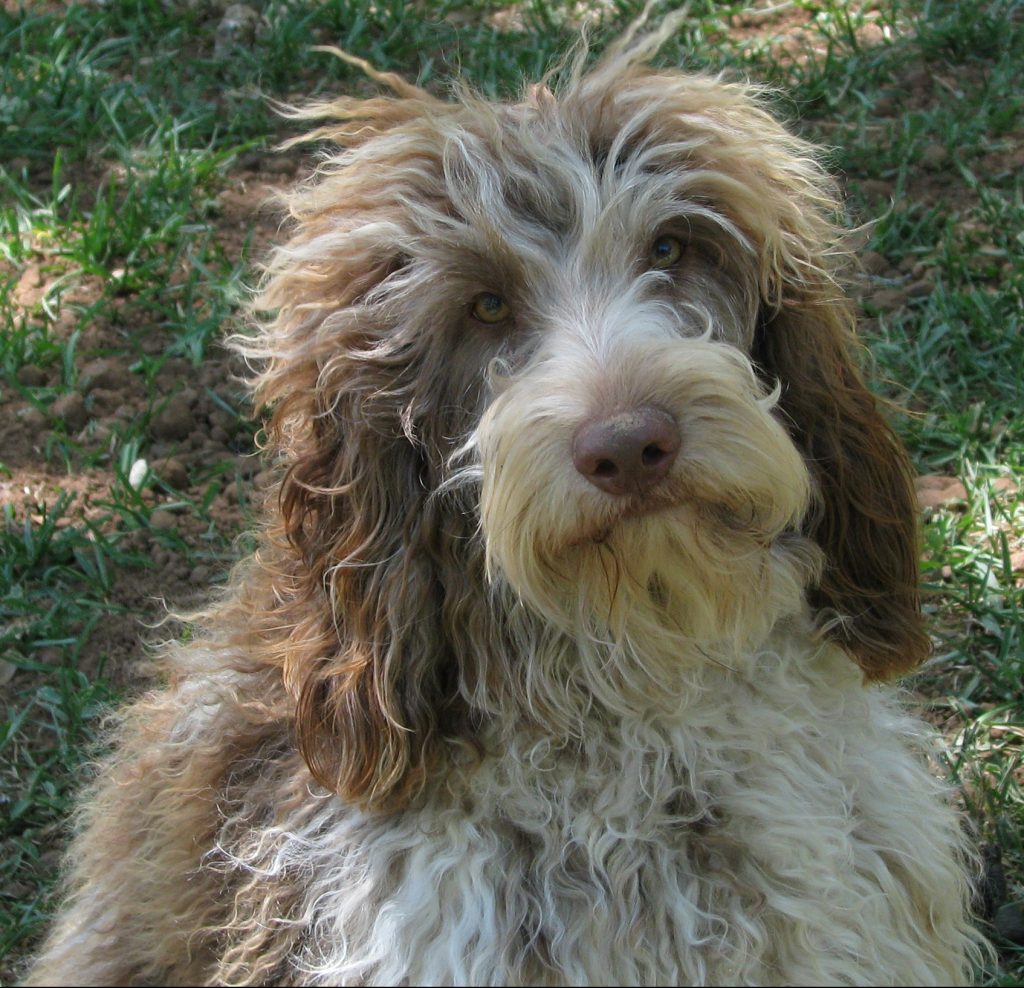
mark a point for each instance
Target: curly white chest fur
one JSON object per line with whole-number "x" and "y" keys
{"x": 749, "y": 839}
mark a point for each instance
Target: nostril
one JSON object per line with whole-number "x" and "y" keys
{"x": 652, "y": 455}
{"x": 605, "y": 468}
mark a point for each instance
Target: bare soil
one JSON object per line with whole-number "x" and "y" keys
{"x": 192, "y": 437}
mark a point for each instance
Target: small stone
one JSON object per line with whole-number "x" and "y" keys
{"x": 27, "y": 288}
{"x": 935, "y": 491}
{"x": 933, "y": 157}
{"x": 199, "y": 575}
{"x": 874, "y": 263}
{"x": 279, "y": 165}
{"x": 172, "y": 472}
{"x": 1009, "y": 923}
{"x": 50, "y": 860}
{"x": 70, "y": 409}
{"x": 105, "y": 400}
{"x": 174, "y": 421}
{"x": 101, "y": 373}
{"x": 33, "y": 419}
{"x": 888, "y": 299}
{"x": 248, "y": 465}
{"x": 920, "y": 289}
{"x": 202, "y": 8}
{"x": 178, "y": 368}
{"x": 219, "y": 417}
{"x": 885, "y": 106}
{"x": 188, "y": 395}
{"x": 211, "y": 374}
{"x": 31, "y": 376}
{"x": 137, "y": 474}
{"x": 237, "y": 28}
{"x": 921, "y": 78}
{"x": 874, "y": 188}
{"x": 97, "y": 434}
{"x": 7, "y": 671}
{"x": 163, "y": 519}
{"x": 264, "y": 479}
{"x": 250, "y": 160}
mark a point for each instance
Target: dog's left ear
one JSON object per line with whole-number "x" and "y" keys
{"x": 866, "y": 520}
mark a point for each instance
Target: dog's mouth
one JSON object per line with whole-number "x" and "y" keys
{"x": 681, "y": 505}
{"x": 619, "y": 513}
{"x": 599, "y": 526}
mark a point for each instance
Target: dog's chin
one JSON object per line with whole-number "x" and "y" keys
{"x": 668, "y": 567}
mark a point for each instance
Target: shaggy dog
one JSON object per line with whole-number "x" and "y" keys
{"x": 559, "y": 659}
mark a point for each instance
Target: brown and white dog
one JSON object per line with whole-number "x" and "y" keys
{"x": 559, "y": 659}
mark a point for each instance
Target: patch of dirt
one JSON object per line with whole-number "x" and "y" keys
{"x": 788, "y": 31}
{"x": 197, "y": 441}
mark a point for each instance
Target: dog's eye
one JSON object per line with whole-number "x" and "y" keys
{"x": 490, "y": 308}
{"x": 665, "y": 251}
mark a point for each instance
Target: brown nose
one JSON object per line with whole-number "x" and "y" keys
{"x": 627, "y": 453}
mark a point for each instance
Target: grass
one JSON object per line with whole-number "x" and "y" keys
{"x": 123, "y": 130}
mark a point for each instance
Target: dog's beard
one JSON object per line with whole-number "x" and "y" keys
{"x": 707, "y": 556}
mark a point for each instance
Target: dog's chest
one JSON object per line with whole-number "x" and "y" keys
{"x": 630, "y": 862}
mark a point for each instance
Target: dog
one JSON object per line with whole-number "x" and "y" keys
{"x": 561, "y": 659}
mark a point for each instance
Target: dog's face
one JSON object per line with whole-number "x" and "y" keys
{"x": 590, "y": 349}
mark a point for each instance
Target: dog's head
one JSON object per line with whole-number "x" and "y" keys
{"x": 586, "y": 356}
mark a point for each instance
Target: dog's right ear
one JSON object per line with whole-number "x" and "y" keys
{"x": 374, "y": 674}
{"x": 354, "y": 554}
{"x": 356, "y": 550}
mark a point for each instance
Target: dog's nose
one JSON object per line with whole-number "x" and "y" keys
{"x": 629, "y": 452}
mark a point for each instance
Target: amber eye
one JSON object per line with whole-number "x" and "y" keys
{"x": 490, "y": 308}
{"x": 665, "y": 251}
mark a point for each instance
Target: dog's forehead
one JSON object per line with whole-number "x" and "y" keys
{"x": 554, "y": 181}
{"x": 594, "y": 172}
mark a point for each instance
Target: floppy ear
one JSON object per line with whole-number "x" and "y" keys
{"x": 355, "y": 554}
{"x": 374, "y": 674}
{"x": 354, "y": 559}
{"x": 866, "y": 519}
{"x": 359, "y": 558}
